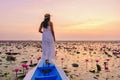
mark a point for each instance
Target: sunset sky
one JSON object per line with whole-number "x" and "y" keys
{"x": 72, "y": 19}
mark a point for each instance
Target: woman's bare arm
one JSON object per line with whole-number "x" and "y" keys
{"x": 52, "y": 30}
{"x": 40, "y": 29}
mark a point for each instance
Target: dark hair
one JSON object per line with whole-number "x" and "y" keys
{"x": 45, "y": 22}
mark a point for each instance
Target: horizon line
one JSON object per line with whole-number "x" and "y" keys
{"x": 62, "y": 40}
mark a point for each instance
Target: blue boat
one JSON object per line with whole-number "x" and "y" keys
{"x": 44, "y": 71}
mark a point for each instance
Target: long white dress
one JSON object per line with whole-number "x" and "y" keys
{"x": 48, "y": 46}
{"x": 48, "y": 53}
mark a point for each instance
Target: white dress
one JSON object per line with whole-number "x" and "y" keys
{"x": 48, "y": 46}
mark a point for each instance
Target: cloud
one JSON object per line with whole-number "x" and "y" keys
{"x": 90, "y": 23}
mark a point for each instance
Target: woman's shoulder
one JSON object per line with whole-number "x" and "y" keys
{"x": 51, "y": 23}
{"x": 42, "y": 22}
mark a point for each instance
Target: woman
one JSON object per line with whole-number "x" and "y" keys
{"x": 48, "y": 38}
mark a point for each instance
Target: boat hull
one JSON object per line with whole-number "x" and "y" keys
{"x": 45, "y": 71}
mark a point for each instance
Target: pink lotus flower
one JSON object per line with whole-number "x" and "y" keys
{"x": 38, "y": 58}
{"x": 16, "y": 70}
{"x": 108, "y": 59}
{"x": 10, "y": 50}
{"x": 97, "y": 61}
{"x": 56, "y": 52}
{"x": 24, "y": 65}
{"x": 31, "y": 62}
{"x": 86, "y": 60}
{"x": 62, "y": 58}
{"x": 62, "y": 61}
{"x": 11, "y": 57}
{"x": 106, "y": 68}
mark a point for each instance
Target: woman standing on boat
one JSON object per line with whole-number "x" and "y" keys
{"x": 48, "y": 38}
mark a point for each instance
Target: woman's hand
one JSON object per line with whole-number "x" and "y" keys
{"x": 54, "y": 40}
{"x": 40, "y": 29}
